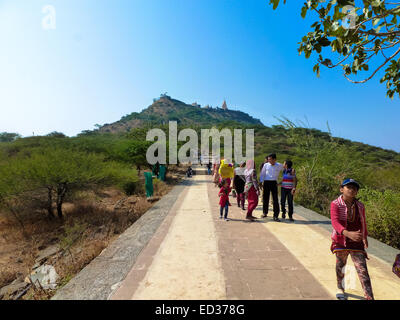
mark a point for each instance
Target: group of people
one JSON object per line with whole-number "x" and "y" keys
{"x": 349, "y": 235}
{"x": 247, "y": 186}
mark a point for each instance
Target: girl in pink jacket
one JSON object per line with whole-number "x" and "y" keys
{"x": 224, "y": 198}
{"x": 349, "y": 236}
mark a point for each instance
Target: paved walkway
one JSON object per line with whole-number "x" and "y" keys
{"x": 195, "y": 255}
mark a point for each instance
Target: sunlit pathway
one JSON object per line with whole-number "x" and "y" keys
{"x": 196, "y": 255}
{"x": 310, "y": 244}
{"x": 186, "y": 264}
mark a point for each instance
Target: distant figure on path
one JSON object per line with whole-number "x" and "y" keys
{"x": 162, "y": 172}
{"x": 269, "y": 176}
{"x": 251, "y": 189}
{"x": 289, "y": 183}
{"x": 156, "y": 169}
{"x": 216, "y": 174}
{"x": 148, "y": 176}
{"x": 239, "y": 182}
{"x": 189, "y": 172}
{"x": 224, "y": 198}
{"x": 209, "y": 165}
{"x": 349, "y": 236}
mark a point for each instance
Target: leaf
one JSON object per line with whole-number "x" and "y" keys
{"x": 275, "y": 4}
{"x": 317, "y": 69}
{"x": 304, "y": 12}
{"x": 375, "y": 21}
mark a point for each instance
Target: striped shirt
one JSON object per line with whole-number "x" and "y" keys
{"x": 288, "y": 178}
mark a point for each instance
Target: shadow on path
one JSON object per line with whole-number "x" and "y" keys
{"x": 350, "y": 295}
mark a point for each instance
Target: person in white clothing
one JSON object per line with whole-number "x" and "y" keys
{"x": 269, "y": 177}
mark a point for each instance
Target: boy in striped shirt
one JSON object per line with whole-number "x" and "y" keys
{"x": 289, "y": 183}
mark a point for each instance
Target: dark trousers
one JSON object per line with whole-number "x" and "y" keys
{"x": 270, "y": 187}
{"x": 226, "y": 210}
{"x": 286, "y": 193}
{"x": 240, "y": 200}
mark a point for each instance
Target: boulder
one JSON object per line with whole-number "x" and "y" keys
{"x": 44, "y": 277}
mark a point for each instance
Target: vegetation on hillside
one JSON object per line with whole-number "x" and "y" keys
{"x": 43, "y": 171}
{"x": 75, "y": 193}
{"x": 322, "y": 162}
{"x": 167, "y": 109}
{"x": 38, "y": 175}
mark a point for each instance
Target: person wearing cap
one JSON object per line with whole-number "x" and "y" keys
{"x": 349, "y": 237}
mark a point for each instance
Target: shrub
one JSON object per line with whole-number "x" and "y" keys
{"x": 55, "y": 173}
{"x": 382, "y": 212}
{"x": 130, "y": 188}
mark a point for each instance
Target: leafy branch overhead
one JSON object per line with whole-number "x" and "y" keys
{"x": 363, "y": 36}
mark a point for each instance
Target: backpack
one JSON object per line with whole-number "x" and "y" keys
{"x": 396, "y": 266}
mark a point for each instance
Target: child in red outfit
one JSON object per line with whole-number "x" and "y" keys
{"x": 224, "y": 198}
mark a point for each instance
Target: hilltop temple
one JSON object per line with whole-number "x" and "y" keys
{"x": 165, "y": 96}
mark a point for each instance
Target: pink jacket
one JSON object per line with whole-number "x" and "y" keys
{"x": 339, "y": 220}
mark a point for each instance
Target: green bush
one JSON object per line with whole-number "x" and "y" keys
{"x": 55, "y": 173}
{"x": 382, "y": 212}
{"x": 130, "y": 188}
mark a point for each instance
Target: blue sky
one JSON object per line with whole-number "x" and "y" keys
{"x": 106, "y": 59}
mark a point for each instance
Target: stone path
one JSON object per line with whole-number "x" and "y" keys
{"x": 195, "y": 255}
{"x": 186, "y": 263}
{"x": 256, "y": 264}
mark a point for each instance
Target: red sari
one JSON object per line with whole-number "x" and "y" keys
{"x": 252, "y": 200}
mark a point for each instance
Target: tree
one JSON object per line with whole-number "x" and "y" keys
{"x": 10, "y": 190}
{"x": 9, "y": 137}
{"x": 56, "y": 134}
{"x": 53, "y": 173}
{"x": 136, "y": 152}
{"x": 360, "y": 34}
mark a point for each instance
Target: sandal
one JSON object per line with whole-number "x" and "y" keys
{"x": 340, "y": 295}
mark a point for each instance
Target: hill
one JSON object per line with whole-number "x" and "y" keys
{"x": 167, "y": 109}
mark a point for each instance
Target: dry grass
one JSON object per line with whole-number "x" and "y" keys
{"x": 91, "y": 223}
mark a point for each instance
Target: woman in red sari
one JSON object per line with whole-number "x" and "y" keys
{"x": 251, "y": 189}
